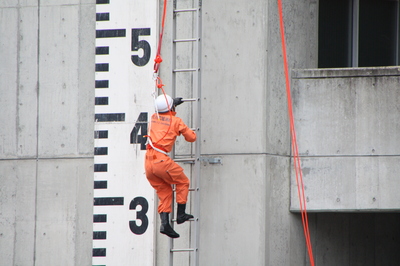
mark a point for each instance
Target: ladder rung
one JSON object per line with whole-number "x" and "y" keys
{"x": 186, "y": 40}
{"x": 191, "y": 219}
{"x": 185, "y": 10}
{"x": 182, "y": 249}
{"x": 184, "y": 159}
{"x": 190, "y": 189}
{"x": 186, "y": 70}
{"x": 189, "y": 100}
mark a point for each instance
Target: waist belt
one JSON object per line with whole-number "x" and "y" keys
{"x": 148, "y": 147}
{"x": 155, "y": 147}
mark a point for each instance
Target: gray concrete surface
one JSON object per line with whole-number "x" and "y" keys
{"x": 245, "y": 120}
{"x": 46, "y": 138}
{"x": 245, "y": 218}
{"x": 249, "y": 202}
{"x": 346, "y": 123}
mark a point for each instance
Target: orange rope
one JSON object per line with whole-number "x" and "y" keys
{"x": 158, "y": 58}
{"x": 170, "y": 116}
{"x": 295, "y": 150}
{"x": 157, "y": 62}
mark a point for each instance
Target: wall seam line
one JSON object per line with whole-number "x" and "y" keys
{"x": 37, "y": 131}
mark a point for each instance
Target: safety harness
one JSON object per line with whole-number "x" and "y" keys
{"x": 155, "y": 147}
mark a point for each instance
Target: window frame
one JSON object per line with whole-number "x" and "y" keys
{"x": 354, "y": 34}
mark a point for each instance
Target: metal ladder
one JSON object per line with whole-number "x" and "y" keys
{"x": 194, "y": 14}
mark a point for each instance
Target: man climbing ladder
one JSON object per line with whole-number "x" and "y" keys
{"x": 161, "y": 171}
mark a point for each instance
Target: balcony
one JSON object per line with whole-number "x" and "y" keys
{"x": 348, "y": 131}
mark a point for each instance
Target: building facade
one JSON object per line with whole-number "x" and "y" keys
{"x": 343, "y": 59}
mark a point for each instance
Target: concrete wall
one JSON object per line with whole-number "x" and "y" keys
{"x": 347, "y": 122}
{"x": 46, "y": 138}
{"x": 284, "y": 233}
{"x": 235, "y": 207}
{"x": 46, "y": 143}
{"x": 245, "y": 217}
{"x": 248, "y": 203}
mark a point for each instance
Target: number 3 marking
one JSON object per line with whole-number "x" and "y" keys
{"x": 140, "y": 215}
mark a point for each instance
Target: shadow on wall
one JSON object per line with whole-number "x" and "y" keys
{"x": 351, "y": 239}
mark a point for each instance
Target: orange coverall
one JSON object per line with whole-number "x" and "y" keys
{"x": 161, "y": 170}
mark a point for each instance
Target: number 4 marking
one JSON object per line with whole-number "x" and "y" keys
{"x": 141, "y": 124}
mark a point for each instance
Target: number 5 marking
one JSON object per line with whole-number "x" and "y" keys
{"x": 140, "y": 215}
{"x": 136, "y": 45}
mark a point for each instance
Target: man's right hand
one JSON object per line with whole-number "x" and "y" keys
{"x": 178, "y": 101}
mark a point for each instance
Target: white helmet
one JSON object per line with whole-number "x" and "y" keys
{"x": 161, "y": 103}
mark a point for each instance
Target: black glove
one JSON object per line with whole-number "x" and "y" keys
{"x": 177, "y": 101}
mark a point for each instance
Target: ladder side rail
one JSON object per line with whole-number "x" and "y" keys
{"x": 195, "y": 239}
{"x": 173, "y": 86}
{"x": 196, "y": 119}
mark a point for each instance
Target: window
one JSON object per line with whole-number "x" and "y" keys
{"x": 358, "y": 33}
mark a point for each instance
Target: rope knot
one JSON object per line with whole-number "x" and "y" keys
{"x": 159, "y": 83}
{"x": 158, "y": 59}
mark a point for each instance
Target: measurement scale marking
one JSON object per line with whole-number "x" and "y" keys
{"x": 109, "y": 201}
{"x": 99, "y": 252}
{"x": 100, "y": 218}
{"x": 100, "y": 167}
{"x": 101, "y": 134}
{"x": 102, "y": 16}
{"x": 101, "y": 151}
{"x": 113, "y": 117}
{"x": 102, "y": 67}
{"x": 102, "y": 197}
{"x": 100, "y": 50}
{"x": 101, "y": 101}
{"x": 101, "y": 84}
{"x": 111, "y": 33}
{"x": 99, "y": 235}
{"x": 100, "y": 184}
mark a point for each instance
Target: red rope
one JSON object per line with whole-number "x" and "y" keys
{"x": 157, "y": 62}
{"x": 158, "y": 58}
{"x": 170, "y": 116}
{"x": 295, "y": 150}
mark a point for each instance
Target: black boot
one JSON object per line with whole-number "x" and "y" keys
{"x": 165, "y": 227}
{"x": 181, "y": 216}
